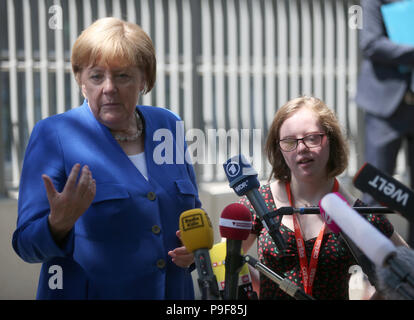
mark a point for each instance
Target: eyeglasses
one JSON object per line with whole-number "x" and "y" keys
{"x": 310, "y": 141}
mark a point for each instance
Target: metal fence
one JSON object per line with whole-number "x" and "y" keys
{"x": 222, "y": 64}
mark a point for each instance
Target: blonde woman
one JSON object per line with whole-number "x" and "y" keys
{"x": 112, "y": 232}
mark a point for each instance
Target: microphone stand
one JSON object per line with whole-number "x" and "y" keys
{"x": 283, "y": 283}
{"x": 207, "y": 280}
{"x": 316, "y": 210}
{"x": 233, "y": 265}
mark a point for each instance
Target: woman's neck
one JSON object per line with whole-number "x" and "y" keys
{"x": 308, "y": 193}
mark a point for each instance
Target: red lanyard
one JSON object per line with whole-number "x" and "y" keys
{"x": 308, "y": 271}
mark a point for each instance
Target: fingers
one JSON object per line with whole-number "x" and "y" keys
{"x": 85, "y": 184}
{"x": 71, "y": 183}
{"x": 49, "y": 186}
{"x": 181, "y": 251}
{"x": 181, "y": 257}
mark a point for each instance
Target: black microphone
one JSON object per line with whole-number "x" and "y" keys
{"x": 316, "y": 210}
{"x": 284, "y": 284}
{"x": 378, "y": 248}
{"x": 386, "y": 190}
{"x": 243, "y": 180}
{"x": 235, "y": 225}
{"x": 197, "y": 236}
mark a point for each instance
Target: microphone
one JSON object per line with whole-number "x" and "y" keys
{"x": 243, "y": 180}
{"x": 386, "y": 190}
{"x": 284, "y": 284}
{"x": 388, "y": 281}
{"x": 197, "y": 236}
{"x": 316, "y": 210}
{"x": 235, "y": 225}
{"x": 245, "y": 286}
{"x": 378, "y": 248}
{"x": 362, "y": 260}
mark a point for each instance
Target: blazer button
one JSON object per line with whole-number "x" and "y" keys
{"x": 161, "y": 263}
{"x": 156, "y": 229}
{"x": 151, "y": 196}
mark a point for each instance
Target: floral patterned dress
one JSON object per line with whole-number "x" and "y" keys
{"x": 332, "y": 275}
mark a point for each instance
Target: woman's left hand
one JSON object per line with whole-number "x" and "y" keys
{"x": 180, "y": 256}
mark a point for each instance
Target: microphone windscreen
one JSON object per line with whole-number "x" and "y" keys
{"x": 387, "y": 279}
{"x": 372, "y": 242}
{"x": 218, "y": 256}
{"x": 235, "y": 222}
{"x": 329, "y": 221}
{"x": 196, "y": 230}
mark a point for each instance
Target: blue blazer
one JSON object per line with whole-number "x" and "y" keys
{"x": 118, "y": 247}
{"x": 381, "y": 85}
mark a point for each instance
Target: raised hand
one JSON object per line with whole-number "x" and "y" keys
{"x": 67, "y": 206}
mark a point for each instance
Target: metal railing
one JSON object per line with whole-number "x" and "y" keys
{"x": 221, "y": 64}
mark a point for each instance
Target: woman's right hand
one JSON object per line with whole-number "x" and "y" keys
{"x": 67, "y": 206}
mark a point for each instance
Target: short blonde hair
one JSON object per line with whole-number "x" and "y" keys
{"x": 110, "y": 40}
{"x": 339, "y": 150}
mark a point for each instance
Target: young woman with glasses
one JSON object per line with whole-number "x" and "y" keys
{"x": 307, "y": 151}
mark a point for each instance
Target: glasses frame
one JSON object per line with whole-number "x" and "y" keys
{"x": 321, "y": 134}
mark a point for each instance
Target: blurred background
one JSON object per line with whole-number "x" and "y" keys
{"x": 221, "y": 64}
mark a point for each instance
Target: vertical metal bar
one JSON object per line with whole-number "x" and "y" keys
{"x": 354, "y": 121}
{"x": 44, "y": 62}
{"x": 14, "y": 106}
{"x": 160, "y": 48}
{"x": 270, "y": 68}
{"x": 131, "y": 15}
{"x": 219, "y": 105}
{"x": 73, "y": 34}
{"x": 270, "y": 71}
{"x": 87, "y": 13}
{"x": 193, "y": 15}
{"x": 116, "y": 9}
{"x": 60, "y": 67}
{"x": 207, "y": 88}
{"x": 318, "y": 45}
{"x": 146, "y": 26}
{"x": 101, "y": 9}
{"x": 245, "y": 94}
{"x": 293, "y": 50}
{"x": 282, "y": 53}
{"x": 27, "y": 27}
{"x": 329, "y": 45}
{"x": 174, "y": 63}
{"x": 188, "y": 114}
{"x": 306, "y": 33}
{"x": 341, "y": 24}
{"x": 258, "y": 101}
{"x": 232, "y": 66}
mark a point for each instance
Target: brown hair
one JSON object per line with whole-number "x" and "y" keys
{"x": 113, "y": 40}
{"x": 339, "y": 152}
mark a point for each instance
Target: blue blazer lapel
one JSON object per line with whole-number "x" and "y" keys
{"x": 115, "y": 159}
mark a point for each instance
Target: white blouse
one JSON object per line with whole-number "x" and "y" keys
{"x": 139, "y": 161}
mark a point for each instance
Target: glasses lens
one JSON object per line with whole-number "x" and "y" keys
{"x": 288, "y": 144}
{"x": 313, "y": 140}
